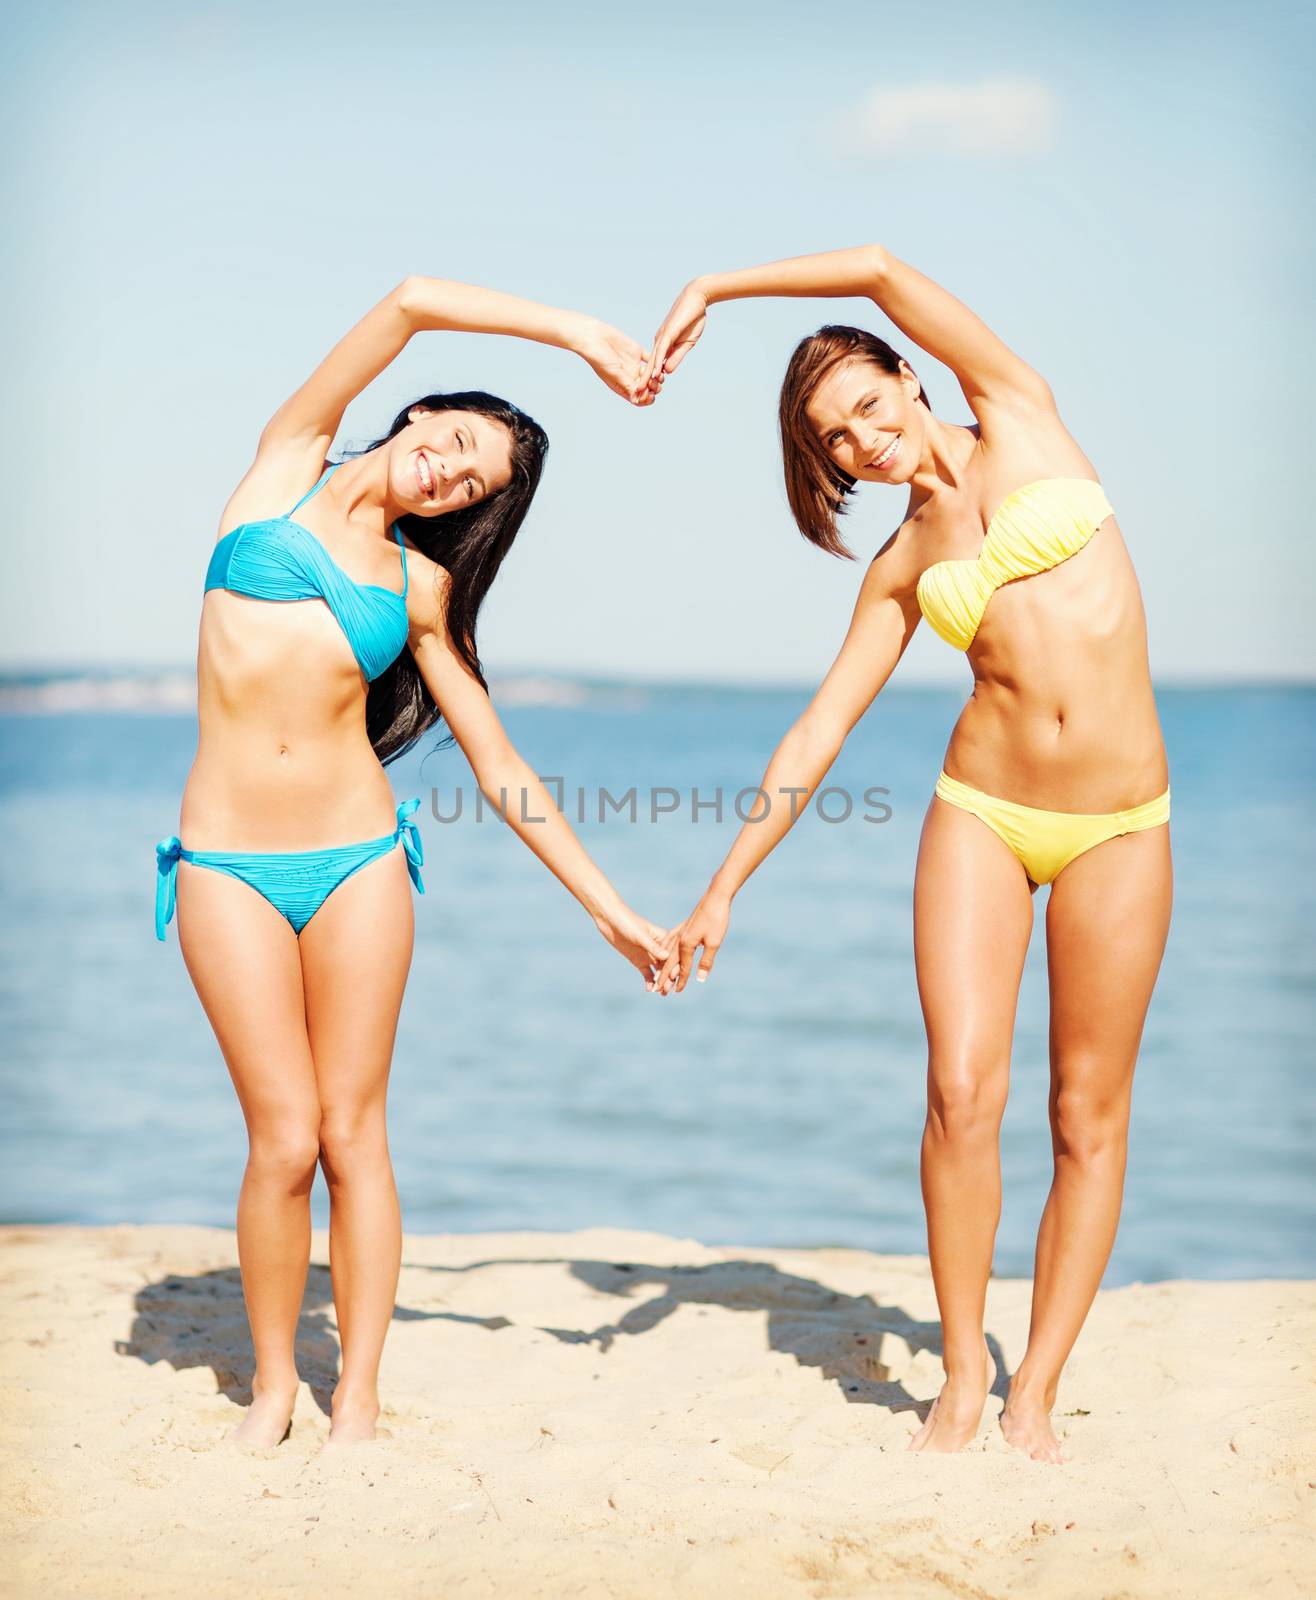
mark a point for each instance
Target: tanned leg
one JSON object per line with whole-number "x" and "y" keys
{"x": 356, "y": 952}
{"x": 973, "y": 914}
{"x": 1106, "y": 926}
{"x": 242, "y": 957}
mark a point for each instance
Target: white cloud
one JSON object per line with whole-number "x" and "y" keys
{"x": 994, "y": 117}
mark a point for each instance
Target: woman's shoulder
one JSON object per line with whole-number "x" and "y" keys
{"x": 896, "y": 567}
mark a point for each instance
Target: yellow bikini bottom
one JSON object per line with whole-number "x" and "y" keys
{"x": 1047, "y": 841}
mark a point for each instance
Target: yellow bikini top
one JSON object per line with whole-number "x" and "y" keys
{"x": 1035, "y": 528}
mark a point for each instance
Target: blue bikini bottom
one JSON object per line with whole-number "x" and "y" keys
{"x": 296, "y": 883}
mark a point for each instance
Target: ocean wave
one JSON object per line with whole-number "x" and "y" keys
{"x": 170, "y": 690}
{"x": 175, "y": 690}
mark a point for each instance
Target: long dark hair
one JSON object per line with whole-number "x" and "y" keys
{"x": 469, "y": 544}
{"x": 815, "y": 486}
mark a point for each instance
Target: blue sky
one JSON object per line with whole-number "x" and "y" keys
{"x": 210, "y": 195}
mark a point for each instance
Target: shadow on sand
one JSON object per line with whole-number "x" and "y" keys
{"x": 843, "y": 1335}
{"x": 851, "y": 1339}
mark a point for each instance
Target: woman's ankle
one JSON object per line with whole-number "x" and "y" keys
{"x": 1029, "y": 1389}
{"x": 276, "y": 1383}
{"x": 355, "y": 1400}
{"x": 967, "y": 1365}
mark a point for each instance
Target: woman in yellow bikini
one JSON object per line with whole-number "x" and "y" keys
{"x": 1055, "y": 773}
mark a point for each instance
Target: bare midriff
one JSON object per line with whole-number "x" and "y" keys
{"x": 283, "y": 761}
{"x": 1062, "y": 715}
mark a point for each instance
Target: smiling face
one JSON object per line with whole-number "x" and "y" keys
{"x": 869, "y": 422}
{"x": 444, "y": 460}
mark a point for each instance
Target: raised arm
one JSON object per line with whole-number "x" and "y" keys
{"x": 295, "y": 441}
{"x": 513, "y": 788}
{"x": 310, "y": 417}
{"x": 931, "y": 316}
{"x": 885, "y": 617}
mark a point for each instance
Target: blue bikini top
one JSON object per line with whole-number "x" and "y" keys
{"x": 278, "y": 559}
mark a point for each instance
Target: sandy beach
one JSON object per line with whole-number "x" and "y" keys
{"x": 621, "y": 1414}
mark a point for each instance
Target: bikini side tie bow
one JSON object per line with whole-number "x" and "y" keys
{"x": 409, "y": 833}
{"x": 167, "y": 854}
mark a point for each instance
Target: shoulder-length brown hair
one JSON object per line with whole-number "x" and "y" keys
{"x": 815, "y": 486}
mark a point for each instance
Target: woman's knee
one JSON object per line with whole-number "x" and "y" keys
{"x": 285, "y": 1154}
{"x": 1089, "y": 1126}
{"x": 352, "y": 1141}
{"x": 966, "y": 1100}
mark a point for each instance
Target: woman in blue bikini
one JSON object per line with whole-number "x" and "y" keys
{"x": 299, "y": 705}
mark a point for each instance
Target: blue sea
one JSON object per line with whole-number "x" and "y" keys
{"x": 536, "y": 1084}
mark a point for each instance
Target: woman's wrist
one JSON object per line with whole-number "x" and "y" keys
{"x": 602, "y": 901}
{"x": 553, "y": 325}
{"x": 576, "y": 331}
{"x": 711, "y": 285}
{"x": 722, "y": 886}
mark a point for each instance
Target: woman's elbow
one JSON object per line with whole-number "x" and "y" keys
{"x": 877, "y": 265}
{"x": 818, "y": 737}
{"x": 499, "y": 767}
{"x": 409, "y": 296}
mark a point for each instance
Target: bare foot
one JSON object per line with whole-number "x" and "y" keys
{"x": 957, "y": 1410}
{"x": 1026, "y": 1424}
{"x": 354, "y": 1424}
{"x": 269, "y": 1417}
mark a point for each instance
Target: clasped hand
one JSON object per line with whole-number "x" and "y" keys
{"x": 634, "y": 372}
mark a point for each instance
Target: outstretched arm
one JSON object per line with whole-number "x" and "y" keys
{"x": 884, "y": 620}
{"x": 930, "y": 315}
{"x": 512, "y": 787}
{"x": 310, "y": 417}
{"x": 296, "y": 439}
